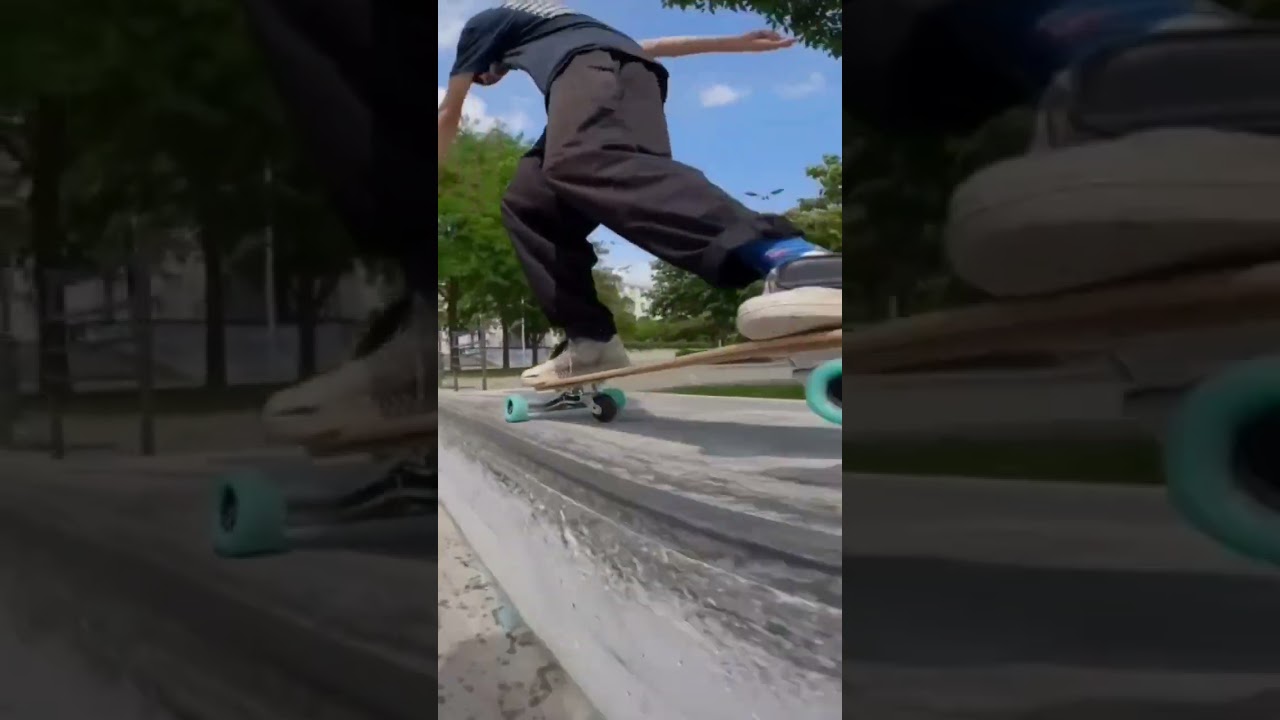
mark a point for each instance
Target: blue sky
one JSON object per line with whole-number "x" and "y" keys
{"x": 750, "y": 122}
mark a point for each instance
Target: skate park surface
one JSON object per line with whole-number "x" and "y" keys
{"x": 674, "y": 567}
{"x": 114, "y": 607}
{"x": 690, "y": 546}
{"x": 997, "y": 600}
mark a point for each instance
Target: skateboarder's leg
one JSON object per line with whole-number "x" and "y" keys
{"x": 334, "y": 64}
{"x": 608, "y": 154}
{"x": 551, "y": 241}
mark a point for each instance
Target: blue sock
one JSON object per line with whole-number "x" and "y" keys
{"x": 1043, "y": 37}
{"x": 765, "y": 255}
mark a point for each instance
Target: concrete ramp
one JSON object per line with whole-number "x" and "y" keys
{"x": 682, "y": 562}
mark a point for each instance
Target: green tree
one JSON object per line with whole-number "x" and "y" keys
{"x": 480, "y": 279}
{"x": 161, "y": 109}
{"x": 818, "y": 23}
{"x": 822, "y": 218}
{"x": 679, "y": 296}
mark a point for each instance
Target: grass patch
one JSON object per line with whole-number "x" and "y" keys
{"x": 1101, "y": 460}
{"x": 785, "y": 391}
{"x": 1093, "y": 460}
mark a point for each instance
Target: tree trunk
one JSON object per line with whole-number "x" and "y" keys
{"x": 506, "y": 345}
{"x": 49, "y": 160}
{"x": 452, "y": 321}
{"x": 215, "y": 310}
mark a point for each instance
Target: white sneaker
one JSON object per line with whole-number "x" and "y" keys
{"x": 579, "y": 357}
{"x": 798, "y": 297}
{"x": 374, "y": 387}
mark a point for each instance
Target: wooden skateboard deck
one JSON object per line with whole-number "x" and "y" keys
{"x": 1222, "y": 466}
{"x": 584, "y": 391}
{"x": 1080, "y": 321}
{"x": 757, "y": 350}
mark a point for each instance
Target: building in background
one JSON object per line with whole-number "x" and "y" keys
{"x": 639, "y": 301}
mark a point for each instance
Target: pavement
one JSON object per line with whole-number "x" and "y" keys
{"x": 967, "y": 599}
{"x": 694, "y": 550}
{"x": 491, "y": 665}
{"x": 113, "y": 606}
{"x": 109, "y": 578}
{"x": 1005, "y": 600}
{"x": 681, "y": 562}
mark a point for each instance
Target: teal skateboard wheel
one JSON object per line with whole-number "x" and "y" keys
{"x": 1222, "y": 458}
{"x": 517, "y": 409}
{"x": 824, "y": 391}
{"x": 250, "y": 516}
{"x": 619, "y": 397}
{"x": 605, "y": 407}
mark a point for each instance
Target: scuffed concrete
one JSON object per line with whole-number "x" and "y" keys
{"x": 682, "y": 562}
{"x": 490, "y": 665}
{"x": 113, "y": 600}
{"x": 1006, "y": 600}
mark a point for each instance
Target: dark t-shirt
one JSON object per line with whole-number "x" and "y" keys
{"x": 539, "y": 38}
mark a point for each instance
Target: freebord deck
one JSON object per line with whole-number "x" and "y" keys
{"x": 1222, "y": 448}
{"x": 1088, "y": 321}
{"x": 822, "y": 390}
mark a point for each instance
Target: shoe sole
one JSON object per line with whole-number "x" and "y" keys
{"x": 1147, "y": 203}
{"x": 791, "y": 312}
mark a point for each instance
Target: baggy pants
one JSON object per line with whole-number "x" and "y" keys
{"x": 606, "y": 160}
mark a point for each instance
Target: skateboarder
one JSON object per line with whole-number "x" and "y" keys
{"x": 605, "y": 159}
{"x": 360, "y": 115}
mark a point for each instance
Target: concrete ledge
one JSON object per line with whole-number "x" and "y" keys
{"x": 682, "y": 562}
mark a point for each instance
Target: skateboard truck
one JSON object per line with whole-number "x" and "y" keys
{"x": 604, "y": 403}
{"x": 256, "y": 516}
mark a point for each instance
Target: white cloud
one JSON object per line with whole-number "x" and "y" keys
{"x": 475, "y": 114}
{"x": 720, "y": 95}
{"x": 452, "y": 15}
{"x": 812, "y": 85}
{"x": 639, "y": 275}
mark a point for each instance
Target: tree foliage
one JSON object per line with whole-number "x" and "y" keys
{"x": 817, "y": 23}
{"x": 157, "y": 114}
{"x": 480, "y": 279}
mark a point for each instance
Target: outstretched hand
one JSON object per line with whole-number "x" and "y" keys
{"x": 764, "y": 41}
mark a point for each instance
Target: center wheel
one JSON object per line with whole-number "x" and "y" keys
{"x": 605, "y": 408}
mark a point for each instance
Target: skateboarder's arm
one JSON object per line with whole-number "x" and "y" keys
{"x": 449, "y": 116}
{"x": 757, "y": 41}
